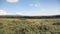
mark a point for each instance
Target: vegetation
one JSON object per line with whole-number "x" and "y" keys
{"x": 29, "y": 26}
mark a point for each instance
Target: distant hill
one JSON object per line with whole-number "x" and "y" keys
{"x": 19, "y": 16}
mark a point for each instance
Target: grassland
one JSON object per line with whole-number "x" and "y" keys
{"x": 29, "y": 26}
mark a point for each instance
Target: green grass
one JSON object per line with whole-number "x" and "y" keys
{"x": 29, "y": 26}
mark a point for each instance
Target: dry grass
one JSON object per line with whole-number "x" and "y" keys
{"x": 29, "y": 26}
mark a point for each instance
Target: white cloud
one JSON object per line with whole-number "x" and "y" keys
{"x": 37, "y": 5}
{"x": 12, "y": 1}
{"x": 34, "y": 4}
{"x": 2, "y": 12}
{"x": 30, "y": 4}
{"x": 19, "y": 13}
{"x": 42, "y": 12}
{"x": 49, "y": 12}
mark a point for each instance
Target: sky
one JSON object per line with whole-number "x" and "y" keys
{"x": 30, "y": 7}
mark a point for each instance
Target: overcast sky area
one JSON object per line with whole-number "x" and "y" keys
{"x": 30, "y": 7}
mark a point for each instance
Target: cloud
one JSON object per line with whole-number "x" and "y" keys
{"x": 31, "y": 4}
{"x": 12, "y": 1}
{"x": 2, "y": 12}
{"x": 35, "y": 4}
{"x": 49, "y": 12}
{"x": 42, "y": 12}
{"x": 19, "y": 13}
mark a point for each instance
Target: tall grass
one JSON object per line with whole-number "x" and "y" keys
{"x": 29, "y": 26}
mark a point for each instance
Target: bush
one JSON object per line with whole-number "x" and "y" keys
{"x": 1, "y": 25}
{"x": 55, "y": 32}
{"x": 57, "y": 23}
{"x": 43, "y": 28}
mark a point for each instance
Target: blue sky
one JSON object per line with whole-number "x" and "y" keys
{"x": 30, "y": 7}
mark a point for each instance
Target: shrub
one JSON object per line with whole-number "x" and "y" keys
{"x": 57, "y": 23}
{"x": 1, "y": 25}
{"x": 43, "y": 28}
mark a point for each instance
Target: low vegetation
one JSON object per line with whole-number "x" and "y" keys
{"x": 29, "y": 26}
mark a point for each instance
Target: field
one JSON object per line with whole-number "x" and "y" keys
{"x": 29, "y": 26}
